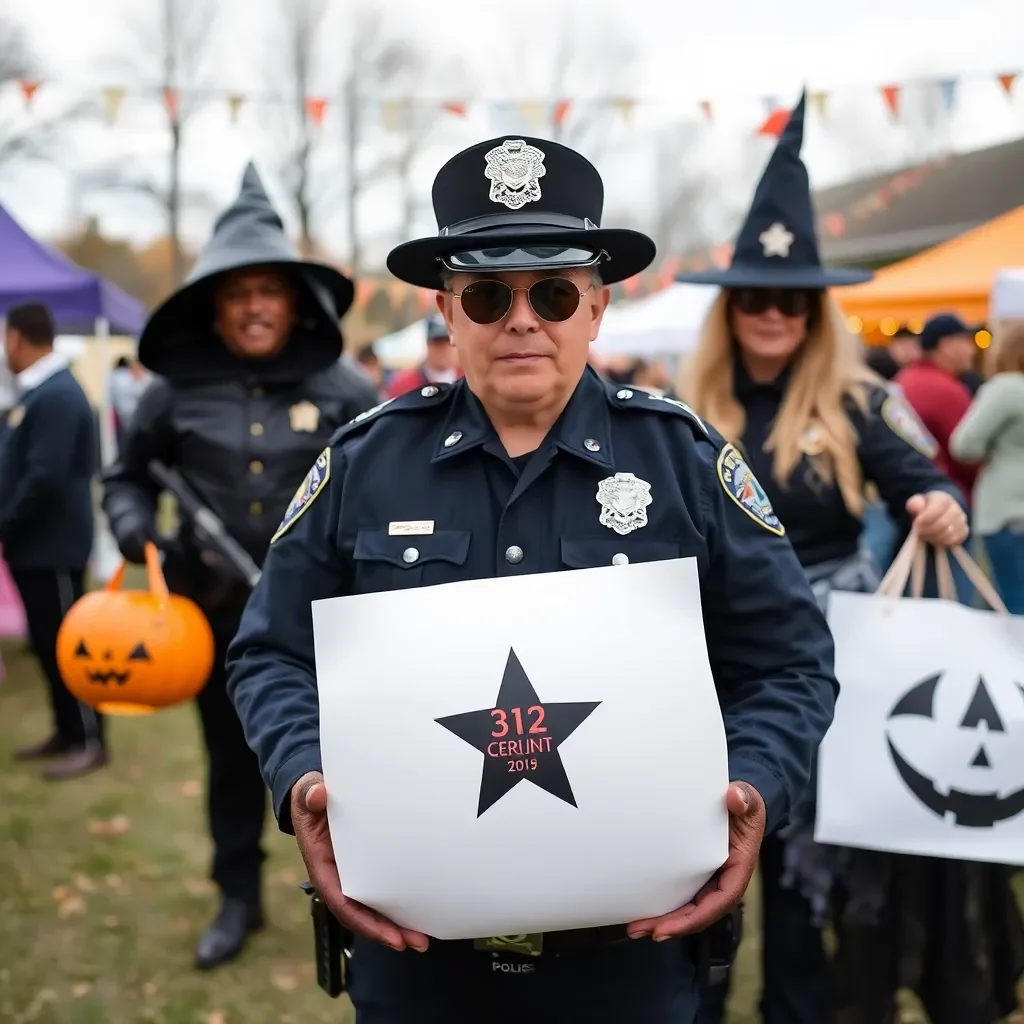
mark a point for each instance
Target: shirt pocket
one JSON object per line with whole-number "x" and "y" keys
{"x": 589, "y": 554}
{"x": 386, "y": 562}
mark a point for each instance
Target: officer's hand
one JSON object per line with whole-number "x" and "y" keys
{"x": 309, "y": 819}
{"x": 938, "y": 519}
{"x": 726, "y": 889}
{"x": 132, "y": 536}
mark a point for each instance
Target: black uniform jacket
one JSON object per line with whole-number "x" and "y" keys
{"x": 433, "y": 455}
{"x": 242, "y": 441}
{"x": 894, "y": 449}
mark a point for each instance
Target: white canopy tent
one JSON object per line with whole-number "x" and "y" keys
{"x": 406, "y": 347}
{"x": 667, "y": 323}
{"x": 1007, "y": 300}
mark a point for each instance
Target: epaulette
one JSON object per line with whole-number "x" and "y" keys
{"x": 637, "y": 398}
{"x": 428, "y": 397}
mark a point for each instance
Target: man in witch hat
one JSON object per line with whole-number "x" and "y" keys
{"x": 505, "y": 464}
{"x": 249, "y": 388}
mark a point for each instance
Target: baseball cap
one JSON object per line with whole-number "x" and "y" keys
{"x": 943, "y": 325}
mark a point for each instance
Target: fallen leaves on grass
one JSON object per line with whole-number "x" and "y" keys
{"x": 217, "y": 1017}
{"x": 104, "y": 828}
{"x": 83, "y": 988}
{"x": 110, "y": 921}
{"x": 149, "y": 990}
{"x": 84, "y": 884}
{"x": 198, "y": 886}
{"x": 191, "y": 788}
{"x": 284, "y": 982}
{"x": 69, "y": 904}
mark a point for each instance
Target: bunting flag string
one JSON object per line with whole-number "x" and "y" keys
{"x": 393, "y": 112}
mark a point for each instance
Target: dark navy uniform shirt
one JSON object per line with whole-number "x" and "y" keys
{"x": 895, "y": 452}
{"x": 433, "y": 455}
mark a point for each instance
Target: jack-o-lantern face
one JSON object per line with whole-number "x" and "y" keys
{"x": 109, "y": 674}
{"x": 990, "y": 786}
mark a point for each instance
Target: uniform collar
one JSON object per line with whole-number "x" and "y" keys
{"x": 583, "y": 429}
{"x": 745, "y": 387}
{"x": 40, "y": 371}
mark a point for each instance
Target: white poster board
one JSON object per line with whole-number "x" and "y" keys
{"x": 610, "y": 805}
{"x": 926, "y": 752}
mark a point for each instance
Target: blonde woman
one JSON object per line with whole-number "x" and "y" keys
{"x": 992, "y": 433}
{"x": 779, "y": 375}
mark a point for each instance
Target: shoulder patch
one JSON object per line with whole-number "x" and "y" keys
{"x": 315, "y": 482}
{"x": 15, "y": 416}
{"x": 741, "y": 485}
{"x": 901, "y": 419}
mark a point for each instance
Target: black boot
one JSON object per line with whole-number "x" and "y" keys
{"x": 226, "y": 935}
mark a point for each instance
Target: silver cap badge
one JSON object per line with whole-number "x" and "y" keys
{"x": 624, "y": 499}
{"x": 514, "y": 169}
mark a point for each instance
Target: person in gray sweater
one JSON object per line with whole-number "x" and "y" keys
{"x": 992, "y": 434}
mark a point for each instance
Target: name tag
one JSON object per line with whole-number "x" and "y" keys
{"x": 413, "y": 528}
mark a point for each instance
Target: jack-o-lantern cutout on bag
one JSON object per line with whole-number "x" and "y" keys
{"x": 133, "y": 652}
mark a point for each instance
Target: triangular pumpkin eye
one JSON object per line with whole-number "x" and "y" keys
{"x": 81, "y": 651}
{"x": 139, "y": 653}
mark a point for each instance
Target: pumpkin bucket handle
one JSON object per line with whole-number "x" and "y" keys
{"x": 115, "y": 581}
{"x": 155, "y": 573}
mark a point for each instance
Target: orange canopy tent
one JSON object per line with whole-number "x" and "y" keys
{"x": 955, "y": 276}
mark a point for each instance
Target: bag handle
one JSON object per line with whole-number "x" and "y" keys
{"x": 909, "y": 565}
{"x": 154, "y": 574}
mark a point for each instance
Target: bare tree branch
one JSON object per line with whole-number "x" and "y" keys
{"x": 173, "y": 38}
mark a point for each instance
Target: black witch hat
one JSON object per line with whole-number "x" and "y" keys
{"x": 249, "y": 233}
{"x": 519, "y": 204}
{"x": 777, "y": 246}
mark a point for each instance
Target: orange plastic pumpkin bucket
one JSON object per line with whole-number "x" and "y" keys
{"x": 133, "y": 652}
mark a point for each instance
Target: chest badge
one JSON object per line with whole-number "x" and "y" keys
{"x": 305, "y": 417}
{"x": 812, "y": 441}
{"x": 15, "y": 416}
{"x": 624, "y": 499}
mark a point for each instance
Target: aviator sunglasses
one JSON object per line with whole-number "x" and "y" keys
{"x": 788, "y": 301}
{"x": 553, "y": 299}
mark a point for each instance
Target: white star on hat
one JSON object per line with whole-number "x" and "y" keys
{"x": 776, "y": 240}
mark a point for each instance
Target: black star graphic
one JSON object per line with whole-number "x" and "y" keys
{"x": 519, "y": 738}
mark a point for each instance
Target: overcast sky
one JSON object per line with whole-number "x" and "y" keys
{"x": 732, "y": 52}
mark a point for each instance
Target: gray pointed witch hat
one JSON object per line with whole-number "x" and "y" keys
{"x": 777, "y": 247}
{"x": 249, "y": 233}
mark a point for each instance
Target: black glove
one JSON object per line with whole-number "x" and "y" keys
{"x": 133, "y": 533}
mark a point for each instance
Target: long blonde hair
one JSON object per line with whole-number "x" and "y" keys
{"x": 827, "y": 369}
{"x": 1006, "y": 353}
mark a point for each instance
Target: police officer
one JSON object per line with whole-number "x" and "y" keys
{"x": 512, "y": 457}
{"x": 249, "y": 388}
{"x": 778, "y": 373}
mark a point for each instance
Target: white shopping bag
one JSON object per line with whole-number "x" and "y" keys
{"x": 926, "y": 752}
{"x": 527, "y": 754}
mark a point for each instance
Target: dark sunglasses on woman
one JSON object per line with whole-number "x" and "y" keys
{"x": 553, "y": 299}
{"x": 788, "y": 301}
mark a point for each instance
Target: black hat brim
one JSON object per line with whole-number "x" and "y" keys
{"x": 777, "y": 277}
{"x": 628, "y": 252}
{"x": 190, "y": 307}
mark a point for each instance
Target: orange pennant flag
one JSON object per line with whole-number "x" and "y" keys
{"x": 172, "y": 103}
{"x": 28, "y": 90}
{"x": 1006, "y": 81}
{"x": 775, "y": 123}
{"x": 316, "y": 109}
{"x": 235, "y": 101}
{"x": 458, "y": 109}
{"x": 705, "y": 107}
{"x": 891, "y": 95}
{"x": 561, "y": 111}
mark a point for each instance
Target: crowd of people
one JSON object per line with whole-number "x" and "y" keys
{"x": 239, "y": 386}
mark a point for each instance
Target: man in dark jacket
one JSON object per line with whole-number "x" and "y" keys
{"x": 48, "y": 458}
{"x": 249, "y": 389}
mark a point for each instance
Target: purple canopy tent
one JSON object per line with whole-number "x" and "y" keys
{"x": 79, "y": 300}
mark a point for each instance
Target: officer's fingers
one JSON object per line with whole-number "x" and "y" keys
{"x": 316, "y": 798}
{"x": 415, "y": 940}
{"x": 699, "y": 915}
{"x": 915, "y": 504}
{"x": 303, "y": 790}
{"x": 371, "y": 925}
{"x": 742, "y": 800}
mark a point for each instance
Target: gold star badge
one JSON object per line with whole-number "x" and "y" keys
{"x": 305, "y": 417}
